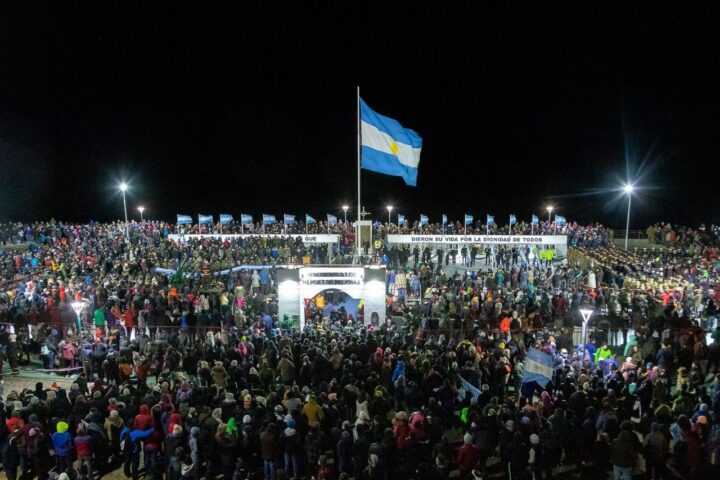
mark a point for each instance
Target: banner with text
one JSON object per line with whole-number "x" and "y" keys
{"x": 310, "y": 238}
{"x": 484, "y": 239}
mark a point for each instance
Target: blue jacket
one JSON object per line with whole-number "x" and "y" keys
{"x": 62, "y": 443}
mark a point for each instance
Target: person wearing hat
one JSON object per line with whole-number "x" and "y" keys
{"x": 62, "y": 446}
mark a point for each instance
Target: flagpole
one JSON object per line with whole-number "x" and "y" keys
{"x": 358, "y": 238}
{"x": 510, "y": 230}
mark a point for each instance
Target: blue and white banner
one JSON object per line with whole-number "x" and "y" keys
{"x": 466, "y": 386}
{"x": 560, "y": 221}
{"x": 205, "y": 219}
{"x": 468, "y": 219}
{"x": 423, "y": 219}
{"x": 268, "y": 219}
{"x": 513, "y": 219}
{"x": 309, "y": 220}
{"x": 246, "y": 219}
{"x": 225, "y": 218}
{"x": 490, "y": 220}
{"x": 535, "y": 220}
{"x": 288, "y": 219}
{"x": 184, "y": 219}
{"x": 401, "y": 219}
{"x": 331, "y": 219}
{"x": 388, "y": 147}
{"x": 538, "y": 367}
{"x": 444, "y": 217}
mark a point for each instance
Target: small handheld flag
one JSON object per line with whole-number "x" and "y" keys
{"x": 184, "y": 219}
{"x": 288, "y": 219}
{"x": 268, "y": 219}
{"x": 444, "y": 218}
{"x": 423, "y": 219}
{"x": 331, "y": 219}
{"x": 401, "y": 219}
{"x": 205, "y": 219}
{"x": 225, "y": 218}
{"x": 560, "y": 221}
{"x": 309, "y": 220}
{"x": 490, "y": 220}
{"x": 535, "y": 220}
{"x": 513, "y": 220}
{"x": 468, "y": 219}
{"x": 246, "y": 219}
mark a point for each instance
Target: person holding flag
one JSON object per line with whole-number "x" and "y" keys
{"x": 490, "y": 221}
{"x": 513, "y": 221}
{"x": 468, "y": 220}
{"x": 309, "y": 221}
{"x": 535, "y": 221}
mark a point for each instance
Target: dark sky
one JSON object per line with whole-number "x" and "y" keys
{"x": 211, "y": 109}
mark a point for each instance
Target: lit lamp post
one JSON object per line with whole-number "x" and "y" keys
{"x": 141, "y": 210}
{"x": 586, "y": 314}
{"x": 628, "y": 190}
{"x": 345, "y": 209}
{"x": 123, "y": 188}
{"x": 389, "y": 209}
{"x": 549, "y": 210}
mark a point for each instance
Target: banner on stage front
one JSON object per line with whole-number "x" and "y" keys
{"x": 310, "y": 238}
{"x": 484, "y": 239}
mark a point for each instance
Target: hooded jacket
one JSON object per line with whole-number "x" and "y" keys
{"x": 144, "y": 420}
{"x": 62, "y": 440}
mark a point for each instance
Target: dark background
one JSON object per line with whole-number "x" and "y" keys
{"x": 230, "y": 109}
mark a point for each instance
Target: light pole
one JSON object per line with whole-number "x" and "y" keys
{"x": 389, "y": 209}
{"x": 141, "y": 210}
{"x": 345, "y": 209}
{"x": 628, "y": 190}
{"x": 123, "y": 188}
{"x": 586, "y": 313}
{"x": 549, "y": 210}
{"x": 78, "y": 307}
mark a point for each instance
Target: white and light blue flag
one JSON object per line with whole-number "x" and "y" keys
{"x": 246, "y": 219}
{"x": 444, "y": 217}
{"x": 388, "y": 147}
{"x": 225, "y": 218}
{"x": 535, "y": 220}
{"x": 513, "y": 220}
{"x": 268, "y": 219}
{"x": 538, "y": 367}
{"x": 288, "y": 219}
{"x": 309, "y": 220}
{"x": 401, "y": 219}
{"x": 205, "y": 219}
{"x": 490, "y": 220}
{"x": 423, "y": 219}
{"x": 468, "y": 219}
{"x": 331, "y": 219}
{"x": 466, "y": 386}
{"x": 184, "y": 219}
{"x": 560, "y": 221}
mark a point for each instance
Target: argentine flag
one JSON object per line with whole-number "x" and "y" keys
{"x": 309, "y": 220}
{"x": 490, "y": 220}
{"x": 205, "y": 219}
{"x": 560, "y": 221}
{"x": 423, "y": 219}
{"x": 538, "y": 367}
{"x": 225, "y": 218}
{"x": 513, "y": 220}
{"x": 268, "y": 219}
{"x": 535, "y": 220}
{"x": 401, "y": 219}
{"x": 331, "y": 219}
{"x": 444, "y": 218}
{"x": 288, "y": 219}
{"x": 387, "y": 147}
{"x": 468, "y": 219}
{"x": 246, "y": 219}
{"x": 184, "y": 219}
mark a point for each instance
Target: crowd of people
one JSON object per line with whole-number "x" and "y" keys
{"x": 187, "y": 373}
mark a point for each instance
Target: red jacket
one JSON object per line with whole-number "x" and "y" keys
{"x": 467, "y": 457}
{"x": 143, "y": 420}
{"x": 83, "y": 446}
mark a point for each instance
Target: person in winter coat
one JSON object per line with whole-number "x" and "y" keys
{"x": 345, "y": 453}
{"x": 62, "y": 446}
{"x": 144, "y": 420}
{"x": 624, "y": 451}
{"x": 467, "y": 456}
{"x": 83, "y": 448}
{"x": 220, "y": 375}
{"x": 113, "y": 426}
{"x": 292, "y": 447}
{"x": 269, "y": 451}
{"x": 312, "y": 411}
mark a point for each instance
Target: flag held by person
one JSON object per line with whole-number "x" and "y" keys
{"x": 538, "y": 368}
{"x": 513, "y": 219}
{"x": 468, "y": 387}
{"x": 225, "y": 218}
{"x": 288, "y": 219}
{"x": 331, "y": 219}
{"x": 423, "y": 219}
{"x": 184, "y": 219}
{"x": 401, "y": 219}
{"x": 246, "y": 219}
{"x": 444, "y": 218}
{"x": 268, "y": 219}
{"x": 535, "y": 220}
{"x": 309, "y": 220}
{"x": 560, "y": 221}
{"x": 202, "y": 219}
{"x": 468, "y": 219}
{"x": 388, "y": 147}
{"x": 490, "y": 220}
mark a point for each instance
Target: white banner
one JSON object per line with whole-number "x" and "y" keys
{"x": 309, "y": 238}
{"x": 482, "y": 239}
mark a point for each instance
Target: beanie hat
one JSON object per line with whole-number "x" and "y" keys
{"x": 247, "y": 419}
{"x": 467, "y": 438}
{"x": 63, "y": 476}
{"x": 177, "y": 430}
{"x": 534, "y": 439}
{"x": 34, "y": 401}
{"x": 114, "y": 413}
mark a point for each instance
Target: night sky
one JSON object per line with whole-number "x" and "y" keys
{"x": 240, "y": 109}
